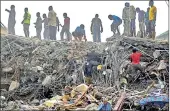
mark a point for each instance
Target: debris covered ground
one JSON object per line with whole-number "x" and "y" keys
{"x": 38, "y": 74}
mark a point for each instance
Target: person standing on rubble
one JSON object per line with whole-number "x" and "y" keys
{"x": 152, "y": 19}
{"x": 79, "y": 33}
{"x": 126, "y": 19}
{"x": 147, "y": 21}
{"x": 65, "y": 28}
{"x": 115, "y": 25}
{"x": 38, "y": 25}
{"x": 96, "y": 28}
{"x": 26, "y": 22}
{"x": 135, "y": 61}
{"x": 141, "y": 17}
{"x": 52, "y": 23}
{"x": 11, "y": 20}
{"x": 132, "y": 21}
{"x": 46, "y": 28}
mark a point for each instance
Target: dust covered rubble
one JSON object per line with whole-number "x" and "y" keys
{"x": 42, "y": 67}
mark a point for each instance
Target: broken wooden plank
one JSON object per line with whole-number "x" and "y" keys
{"x": 119, "y": 103}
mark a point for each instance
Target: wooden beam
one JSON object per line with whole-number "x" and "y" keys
{"x": 119, "y": 104}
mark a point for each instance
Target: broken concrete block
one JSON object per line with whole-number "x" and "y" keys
{"x": 35, "y": 102}
{"x": 47, "y": 80}
{"x": 39, "y": 68}
{"x": 14, "y": 85}
{"x": 162, "y": 65}
{"x": 156, "y": 54}
{"x": 34, "y": 69}
{"x": 7, "y": 70}
{"x": 54, "y": 71}
{"x": 2, "y": 98}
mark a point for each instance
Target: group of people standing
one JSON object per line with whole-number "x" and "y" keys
{"x": 52, "y": 25}
{"x": 146, "y": 20}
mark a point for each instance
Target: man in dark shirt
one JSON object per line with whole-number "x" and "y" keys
{"x": 65, "y": 28}
{"x": 141, "y": 17}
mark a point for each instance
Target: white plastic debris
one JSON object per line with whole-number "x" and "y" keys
{"x": 156, "y": 54}
{"x": 14, "y": 85}
{"x": 47, "y": 80}
{"x": 162, "y": 65}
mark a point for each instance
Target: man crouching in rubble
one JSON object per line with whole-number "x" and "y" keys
{"x": 116, "y": 23}
{"x": 79, "y": 33}
{"x": 135, "y": 60}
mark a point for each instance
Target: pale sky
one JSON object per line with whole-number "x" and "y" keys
{"x": 81, "y": 12}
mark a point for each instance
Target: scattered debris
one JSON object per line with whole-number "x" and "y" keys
{"x": 49, "y": 74}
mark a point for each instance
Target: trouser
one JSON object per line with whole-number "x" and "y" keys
{"x": 96, "y": 34}
{"x": 133, "y": 27}
{"x": 52, "y": 32}
{"x": 38, "y": 32}
{"x": 11, "y": 28}
{"x": 142, "y": 29}
{"x": 135, "y": 68}
{"x": 126, "y": 27}
{"x": 65, "y": 30}
{"x": 46, "y": 34}
{"x": 115, "y": 27}
{"x": 77, "y": 36}
{"x": 26, "y": 29}
{"x": 147, "y": 27}
{"x": 152, "y": 29}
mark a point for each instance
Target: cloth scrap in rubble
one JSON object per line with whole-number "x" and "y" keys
{"x": 156, "y": 100}
{"x": 105, "y": 107}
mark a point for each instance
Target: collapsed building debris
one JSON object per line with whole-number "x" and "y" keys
{"x": 38, "y": 73}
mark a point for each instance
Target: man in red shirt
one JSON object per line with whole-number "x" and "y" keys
{"x": 135, "y": 59}
{"x": 65, "y": 27}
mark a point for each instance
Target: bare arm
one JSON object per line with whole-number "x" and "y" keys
{"x": 91, "y": 25}
{"x": 101, "y": 26}
{"x": 8, "y": 10}
{"x": 58, "y": 22}
{"x": 49, "y": 16}
{"x": 155, "y": 15}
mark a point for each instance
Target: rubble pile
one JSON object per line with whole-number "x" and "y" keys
{"x": 39, "y": 72}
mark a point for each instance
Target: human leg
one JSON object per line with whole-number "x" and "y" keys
{"x": 153, "y": 29}
{"x": 62, "y": 34}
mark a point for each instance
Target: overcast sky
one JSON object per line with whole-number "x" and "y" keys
{"x": 82, "y": 12}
